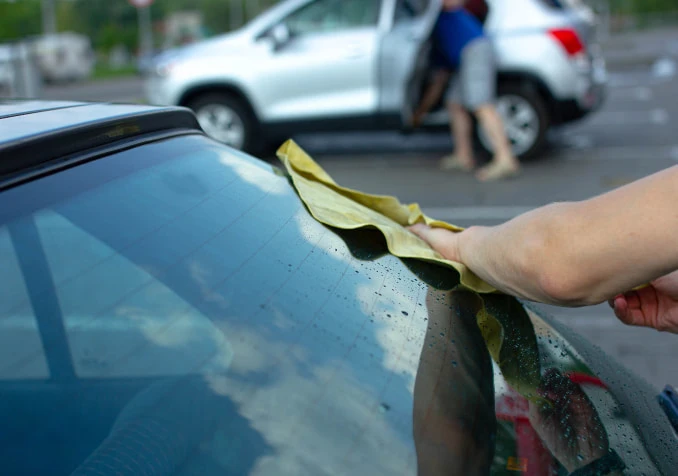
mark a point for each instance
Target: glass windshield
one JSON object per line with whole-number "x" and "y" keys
{"x": 174, "y": 309}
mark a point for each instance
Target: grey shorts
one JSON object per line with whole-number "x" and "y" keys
{"x": 475, "y": 83}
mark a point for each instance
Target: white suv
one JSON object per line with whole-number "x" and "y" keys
{"x": 327, "y": 65}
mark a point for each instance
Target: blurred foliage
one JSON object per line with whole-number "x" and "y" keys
{"x": 642, "y": 6}
{"x": 19, "y": 19}
{"x": 114, "y": 22}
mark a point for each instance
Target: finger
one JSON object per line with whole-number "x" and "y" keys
{"x": 632, "y": 299}
{"x": 629, "y": 316}
{"x": 442, "y": 240}
{"x": 620, "y": 307}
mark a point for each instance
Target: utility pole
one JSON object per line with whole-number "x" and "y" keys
{"x": 145, "y": 26}
{"x": 48, "y": 17}
{"x": 145, "y": 31}
{"x": 236, "y": 14}
{"x": 253, "y": 9}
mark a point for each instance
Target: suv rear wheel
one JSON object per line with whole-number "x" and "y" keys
{"x": 525, "y": 118}
{"x": 225, "y": 118}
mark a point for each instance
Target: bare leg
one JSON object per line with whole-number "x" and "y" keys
{"x": 461, "y": 127}
{"x": 504, "y": 163}
{"x": 431, "y": 96}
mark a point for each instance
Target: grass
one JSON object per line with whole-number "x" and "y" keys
{"x": 105, "y": 72}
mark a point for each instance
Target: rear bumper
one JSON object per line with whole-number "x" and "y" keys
{"x": 593, "y": 94}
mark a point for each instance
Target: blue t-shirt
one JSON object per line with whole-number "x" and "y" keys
{"x": 453, "y": 31}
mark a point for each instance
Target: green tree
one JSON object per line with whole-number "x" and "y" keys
{"x": 19, "y": 19}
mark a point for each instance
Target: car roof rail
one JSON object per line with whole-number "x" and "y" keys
{"x": 110, "y": 126}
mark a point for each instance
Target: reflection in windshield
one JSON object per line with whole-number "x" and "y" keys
{"x": 212, "y": 327}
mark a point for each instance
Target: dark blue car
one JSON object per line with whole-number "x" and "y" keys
{"x": 169, "y": 307}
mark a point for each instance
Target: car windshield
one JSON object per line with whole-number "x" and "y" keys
{"x": 174, "y": 309}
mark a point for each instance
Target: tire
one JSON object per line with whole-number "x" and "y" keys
{"x": 526, "y": 119}
{"x": 226, "y": 118}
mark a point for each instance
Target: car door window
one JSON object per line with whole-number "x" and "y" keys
{"x": 324, "y": 16}
{"x": 408, "y": 9}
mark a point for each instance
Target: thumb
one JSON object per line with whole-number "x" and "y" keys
{"x": 441, "y": 240}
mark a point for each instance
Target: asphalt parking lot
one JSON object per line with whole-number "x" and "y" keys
{"x": 632, "y": 136}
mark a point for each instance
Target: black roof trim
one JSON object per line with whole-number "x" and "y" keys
{"x": 32, "y": 111}
{"x": 27, "y": 153}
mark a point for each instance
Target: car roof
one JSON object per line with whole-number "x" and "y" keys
{"x": 37, "y": 134}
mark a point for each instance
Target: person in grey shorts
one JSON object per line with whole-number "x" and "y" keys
{"x": 465, "y": 62}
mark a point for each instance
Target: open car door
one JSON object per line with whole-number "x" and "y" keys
{"x": 405, "y": 52}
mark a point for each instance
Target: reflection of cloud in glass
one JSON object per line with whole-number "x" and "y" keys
{"x": 201, "y": 277}
{"x": 398, "y": 335}
{"x": 327, "y": 407}
{"x": 315, "y": 422}
{"x": 395, "y": 332}
{"x": 152, "y": 332}
{"x": 257, "y": 174}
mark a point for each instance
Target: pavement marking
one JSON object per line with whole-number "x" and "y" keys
{"x": 578, "y": 141}
{"x": 664, "y": 68}
{"x": 627, "y": 80}
{"x": 475, "y": 213}
{"x": 656, "y": 116}
{"x": 591, "y": 322}
{"x": 632, "y": 93}
{"x": 674, "y": 153}
{"x": 623, "y": 153}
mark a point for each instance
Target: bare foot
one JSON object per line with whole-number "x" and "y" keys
{"x": 454, "y": 162}
{"x": 497, "y": 170}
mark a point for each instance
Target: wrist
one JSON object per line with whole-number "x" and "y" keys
{"x": 471, "y": 246}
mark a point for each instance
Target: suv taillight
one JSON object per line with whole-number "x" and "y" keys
{"x": 569, "y": 39}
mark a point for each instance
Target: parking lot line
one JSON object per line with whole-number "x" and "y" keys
{"x": 659, "y": 153}
{"x": 475, "y": 213}
{"x": 657, "y": 116}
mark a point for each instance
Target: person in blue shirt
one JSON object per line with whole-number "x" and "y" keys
{"x": 463, "y": 58}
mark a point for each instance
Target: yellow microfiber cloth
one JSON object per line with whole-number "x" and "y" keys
{"x": 504, "y": 323}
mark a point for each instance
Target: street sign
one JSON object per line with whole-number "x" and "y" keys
{"x": 141, "y": 3}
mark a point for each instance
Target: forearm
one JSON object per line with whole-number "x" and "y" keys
{"x": 582, "y": 253}
{"x": 519, "y": 256}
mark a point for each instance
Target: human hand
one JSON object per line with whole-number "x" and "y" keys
{"x": 441, "y": 240}
{"x": 654, "y": 306}
{"x": 571, "y": 428}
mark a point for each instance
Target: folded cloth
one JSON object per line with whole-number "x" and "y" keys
{"x": 348, "y": 209}
{"x": 504, "y": 323}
